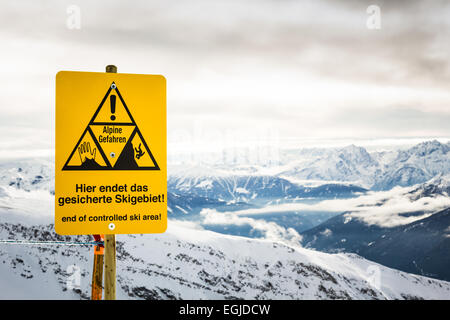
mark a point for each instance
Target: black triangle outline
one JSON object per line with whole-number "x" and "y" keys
{"x": 123, "y": 103}
{"x": 98, "y": 145}
{"x": 137, "y": 131}
{"x": 72, "y": 168}
{"x": 88, "y": 129}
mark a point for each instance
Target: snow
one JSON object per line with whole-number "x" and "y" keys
{"x": 242, "y": 190}
{"x": 26, "y": 206}
{"x": 207, "y": 184}
{"x": 180, "y": 208}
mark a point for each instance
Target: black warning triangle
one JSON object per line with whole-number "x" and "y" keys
{"x": 111, "y": 140}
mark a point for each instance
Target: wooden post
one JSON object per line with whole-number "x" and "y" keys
{"x": 97, "y": 273}
{"x": 110, "y": 247}
{"x": 110, "y": 267}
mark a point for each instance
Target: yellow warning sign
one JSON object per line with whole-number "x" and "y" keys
{"x": 110, "y": 163}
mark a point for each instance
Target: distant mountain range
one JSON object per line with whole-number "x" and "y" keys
{"x": 375, "y": 170}
{"x": 421, "y": 246}
{"x": 349, "y": 165}
{"x": 188, "y": 190}
{"x": 233, "y": 190}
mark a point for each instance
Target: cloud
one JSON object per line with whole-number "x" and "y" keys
{"x": 401, "y": 118}
{"x": 327, "y": 232}
{"x": 301, "y": 67}
{"x": 386, "y": 209}
{"x": 271, "y": 230}
{"x": 184, "y": 224}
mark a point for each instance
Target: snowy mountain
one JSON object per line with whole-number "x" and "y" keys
{"x": 415, "y": 165}
{"x": 189, "y": 193}
{"x": 187, "y": 263}
{"x": 253, "y": 188}
{"x": 376, "y": 170}
{"x": 28, "y": 174}
{"x": 236, "y": 182}
{"x": 438, "y": 186}
{"x": 407, "y": 224}
{"x": 351, "y": 163}
{"x": 407, "y": 229}
{"x": 189, "y": 190}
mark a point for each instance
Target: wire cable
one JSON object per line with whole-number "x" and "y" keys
{"x": 64, "y": 243}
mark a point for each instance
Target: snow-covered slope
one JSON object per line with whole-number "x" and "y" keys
{"x": 28, "y": 174}
{"x": 187, "y": 263}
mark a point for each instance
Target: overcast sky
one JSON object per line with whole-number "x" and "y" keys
{"x": 255, "y": 69}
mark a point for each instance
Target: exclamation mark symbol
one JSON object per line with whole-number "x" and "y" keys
{"x": 112, "y": 100}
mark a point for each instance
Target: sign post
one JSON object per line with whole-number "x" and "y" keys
{"x": 110, "y": 158}
{"x": 110, "y": 246}
{"x": 110, "y": 267}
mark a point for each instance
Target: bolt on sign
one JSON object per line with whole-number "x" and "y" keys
{"x": 110, "y": 162}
